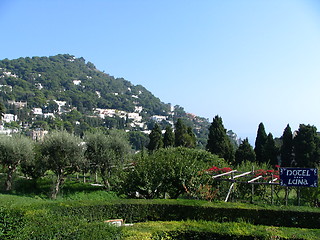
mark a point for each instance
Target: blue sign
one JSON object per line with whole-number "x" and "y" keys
{"x": 299, "y": 177}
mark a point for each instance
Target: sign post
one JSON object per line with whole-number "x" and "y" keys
{"x": 299, "y": 177}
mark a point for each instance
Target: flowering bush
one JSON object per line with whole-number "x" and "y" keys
{"x": 267, "y": 174}
{"x": 215, "y": 169}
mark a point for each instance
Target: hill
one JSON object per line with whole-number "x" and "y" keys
{"x": 65, "y": 91}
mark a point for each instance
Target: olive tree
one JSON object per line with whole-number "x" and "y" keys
{"x": 14, "y": 151}
{"x": 107, "y": 153}
{"x": 62, "y": 153}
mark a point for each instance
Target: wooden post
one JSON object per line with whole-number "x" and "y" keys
{"x": 286, "y": 195}
{"x": 272, "y": 189}
{"x": 252, "y": 192}
{"x": 298, "y": 195}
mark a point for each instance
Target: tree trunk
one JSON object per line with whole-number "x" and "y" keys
{"x": 105, "y": 180}
{"x": 59, "y": 182}
{"x": 84, "y": 177}
{"x": 96, "y": 177}
{"x": 8, "y": 183}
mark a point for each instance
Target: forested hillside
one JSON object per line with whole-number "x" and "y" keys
{"x": 66, "y": 78}
{"x": 63, "y": 91}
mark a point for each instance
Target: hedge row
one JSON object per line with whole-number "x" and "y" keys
{"x": 141, "y": 211}
{"x": 84, "y": 219}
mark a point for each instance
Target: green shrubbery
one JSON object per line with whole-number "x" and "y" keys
{"x": 27, "y": 218}
{"x": 170, "y": 172}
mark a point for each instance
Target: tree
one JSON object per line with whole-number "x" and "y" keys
{"x": 63, "y": 154}
{"x": 13, "y": 151}
{"x": 190, "y": 138}
{"x": 2, "y": 111}
{"x": 184, "y": 135}
{"x": 34, "y": 167}
{"x": 169, "y": 172}
{"x": 245, "y": 152}
{"x": 107, "y": 153}
{"x": 307, "y": 146}
{"x": 271, "y": 151}
{"x": 155, "y": 137}
{"x": 168, "y": 138}
{"x": 286, "y": 147}
{"x": 138, "y": 140}
{"x": 180, "y": 131}
{"x": 218, "y": 141}
{"x": 260, "y": 143}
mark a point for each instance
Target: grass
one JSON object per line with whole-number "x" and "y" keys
{"x": 148, "y": 230}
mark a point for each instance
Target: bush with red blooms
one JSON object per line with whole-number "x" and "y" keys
{"x": 267, "y": 174}
{"x": 219, "y": 170}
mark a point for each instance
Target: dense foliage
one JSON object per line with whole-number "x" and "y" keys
{"x": 62, "y": 154}
{"x": 170, "y": 172}
{"x": 13, "y": 152}
{"x": 218, "y": 141}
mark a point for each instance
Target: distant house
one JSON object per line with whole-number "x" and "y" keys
{"x": 48, "y": 115}
{"x": 38, "y": 86}
{"x": 77, "y": 82}
{"x": 102, "y": 113}
{"x": 37, "y": 111}
{"x": 7, "y": 131}
{"x": 135, "y": 116}
{"x": 60, "y": 104}
{"x": 38, "y": 134}
{"x": 18, "y": 104}
{"x": 9, "y": 74}
{"x": 138, "y": 109}
{"x": 158, "y": 118}
{"x": 9, "y": 118}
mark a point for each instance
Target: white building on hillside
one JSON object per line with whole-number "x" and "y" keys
{"x": 37, "y": 111}
{"x": 158, "y": 118}
{"x": 9, "y": 118}
{"x": 135, "y": 116}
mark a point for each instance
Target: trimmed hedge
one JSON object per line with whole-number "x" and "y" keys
{"x": 43, "y": 219}
{"x": 10, "y": 221}
{"x": 141, "y": 211}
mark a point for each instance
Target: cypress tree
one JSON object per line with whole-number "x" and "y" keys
{"x": 260, "y": 143}
{"x": 286, "y": 147}
{"x": 245, "y": 152}
{"x": 190, "y": 138}
{"x": 307, "y": 146}
{"x": 179, "y": 134}
{"x": 270, "y": 151}
{"x": 168, "y": 139}
{"x": 218, "y": 141}
{"x": 155, "y": 137}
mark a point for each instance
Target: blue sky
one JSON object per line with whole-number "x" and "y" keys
{"x": 247, "y": 61}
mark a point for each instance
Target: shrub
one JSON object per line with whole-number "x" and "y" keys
{"x": 170, "y": 172}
